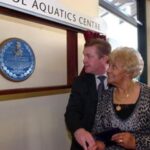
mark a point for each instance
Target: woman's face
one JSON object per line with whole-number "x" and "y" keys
{"x": 116, "y": 73}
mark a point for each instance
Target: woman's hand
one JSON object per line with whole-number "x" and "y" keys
{"x": 98, "y": 146}
{"x": 125, "y": 139}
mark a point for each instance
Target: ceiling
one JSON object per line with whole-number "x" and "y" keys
{"x": 125, "y": 9}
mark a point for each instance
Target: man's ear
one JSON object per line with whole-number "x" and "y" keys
{"x": 106, "y": 58}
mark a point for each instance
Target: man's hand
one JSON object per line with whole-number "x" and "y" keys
{"x": 98, "y": 146}
{"x": 84, "y": 138}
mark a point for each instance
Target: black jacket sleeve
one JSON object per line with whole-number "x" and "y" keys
{"x": 78, "y": 110}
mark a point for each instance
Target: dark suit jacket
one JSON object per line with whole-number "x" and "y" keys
{"x": 81, "y": 108}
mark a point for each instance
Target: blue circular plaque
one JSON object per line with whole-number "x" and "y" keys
{"x": 17, "y": 60}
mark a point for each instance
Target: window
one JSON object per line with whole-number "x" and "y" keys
{"x": 132, "y": 21}
{"x": 120, "y": 17}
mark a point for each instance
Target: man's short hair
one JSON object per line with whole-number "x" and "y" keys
{"x": 103, "y": 47}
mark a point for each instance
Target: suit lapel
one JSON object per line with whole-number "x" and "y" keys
{"x": 92, "y": 86}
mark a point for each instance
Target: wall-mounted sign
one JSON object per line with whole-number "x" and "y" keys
{"x": 49, "y": 10}
{"x": 17, "y": 60}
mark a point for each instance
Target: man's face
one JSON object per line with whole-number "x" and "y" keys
{"x": 92, "y": 62}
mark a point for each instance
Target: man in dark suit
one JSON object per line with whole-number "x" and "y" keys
{"x": 81, "y": 108}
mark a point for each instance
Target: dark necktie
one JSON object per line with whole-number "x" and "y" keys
{"x": 101, "y": 87}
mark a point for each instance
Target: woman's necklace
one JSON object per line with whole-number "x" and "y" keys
{"x": 118, "y": 107}
{"x": 123, "y": 97}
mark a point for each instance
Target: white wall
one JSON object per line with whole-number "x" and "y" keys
{"x": 85, "y": 7}
{"x": 41, "y": 39}
{"x": 34, "y": 124}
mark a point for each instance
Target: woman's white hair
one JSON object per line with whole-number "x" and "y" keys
{"x": 131, "y": 59}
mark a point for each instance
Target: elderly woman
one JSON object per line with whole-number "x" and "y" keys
{"x": 124, "y": 108}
